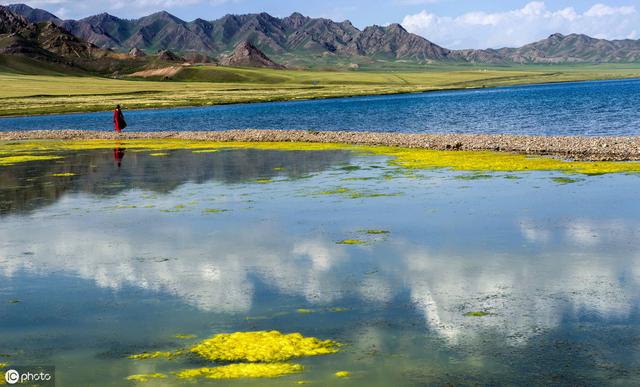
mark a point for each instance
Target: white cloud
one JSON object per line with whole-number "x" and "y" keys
{"x": 517, "y": 27}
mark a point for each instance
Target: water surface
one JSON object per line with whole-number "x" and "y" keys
{"x": 119, "y": 259}
{"x": 581, "y": 108}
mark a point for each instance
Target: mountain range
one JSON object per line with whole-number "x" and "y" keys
{"x": 298, "y": 40}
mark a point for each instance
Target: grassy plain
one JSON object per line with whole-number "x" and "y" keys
{"x": 210, "y": 85}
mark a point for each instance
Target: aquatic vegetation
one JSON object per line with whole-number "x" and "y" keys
{"x": 475, "y": 176}
{"x": 408, "y": 158}
{"x": 10, "y": 160}
{"x": 565, "y": 180}
{"x": 206, "y": 151}
{"x": 351, "y": 242}
{"x": 264, "y": 181}
{"x": 67, "y": 174}
{"x": 279, "y": 169}
{"x": 242, "y": 370}
{"x": 155, "y": 355}
{"x": 213, "y": 210}
{"x": 477, "y": 314}
{"x": 123, "y": 206}
{"x": 3, "y": 365}
{"x": 143, "y": 378}
{"x": 350, "y": 168}
{"x": 304, "y": 311}
{"x": 158, "y": 154}
{"x": 362, "y": 195}
{"x": 179, "y": 206}
{"x": 336, "y": 191}
{"x": 13, "y": 302}
{"x": 262, "y": 346}
{"x": 184, "y": 336}
{"x": 343, "y": 374}
{"x": 338, "y": 309}
{"x": 377, "y": 232}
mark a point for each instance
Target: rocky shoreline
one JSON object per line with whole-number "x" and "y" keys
{"x": 568, "y": 147}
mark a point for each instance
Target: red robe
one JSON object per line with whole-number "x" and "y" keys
{"x": 118, "y": 120}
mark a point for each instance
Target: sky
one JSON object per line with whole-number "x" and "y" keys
{"x": 454, "y": 24}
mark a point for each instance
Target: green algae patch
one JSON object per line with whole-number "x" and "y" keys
{"x": 160, "y": 154}
{"x": 350, "y": 168}
{"x": 155, "y": 355}
{"x": 338, "y": 309}
{"x": 264, "y": 181}
{"x": 477, "y": 314}
{"x": 474, "y": 176}
{"x": 364, "y": 195}
{"x": 377, "y": 232}
{"x": 262, "y": 346}
{"x": 143, "y": 378}
{"x": 304, "y": 311}
{"x": 184, "y": 336}
{"x": 3, "y": 365}
{"x": 213, "y": 210}
{"x": 66, "y": 174}
{"x": 343, "y": 374}
{"x": 351, "y": 242}
{"x": 242, "y": 370}
{"x": 10, "y": 160}
{"x": 565, "y": 180}
{"x": 337, "y": 191}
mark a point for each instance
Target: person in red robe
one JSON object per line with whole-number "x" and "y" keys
{"x": 118, "y": 119}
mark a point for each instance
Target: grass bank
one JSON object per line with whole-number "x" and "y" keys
{"x": 210, "y": 85}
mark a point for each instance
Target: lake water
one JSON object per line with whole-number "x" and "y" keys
{"x": 583, "y": 108}
{"x": 119, "y": 260}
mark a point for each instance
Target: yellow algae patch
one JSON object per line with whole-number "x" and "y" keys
{"x": 262, "y": 346}
{"x": 243, "y": 370}
{"x": 143, "y": 378}
{"x": 158, "y": 154}
{"x": 3, "y": 365}
{"x": 304, "y": 311}
{"x": 66, "y": 174}
{"x": 206, "y": 151}
{"x": 343, "y": 374}
{"x": 412, "y": 158}
{"x": 351, "y": 242}
{"x": 496, "y": 161}
{"x": 154, "y": 355}
{"x": 10, "y": 160}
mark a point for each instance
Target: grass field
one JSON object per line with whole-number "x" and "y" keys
{"x": 210, "y": 85}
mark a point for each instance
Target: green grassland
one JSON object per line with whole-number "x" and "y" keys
{"x": 210, "y": 85}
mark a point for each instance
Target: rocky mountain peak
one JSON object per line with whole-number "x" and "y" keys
{"x": 246, "y": 54}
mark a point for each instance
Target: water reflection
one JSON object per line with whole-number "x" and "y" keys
{"x": 28, "y": 186}
{"x": 559, "y": 283}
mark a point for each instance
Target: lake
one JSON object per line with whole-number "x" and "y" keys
{"x": 581, "y": 108}
{"x": 427, "y": 277}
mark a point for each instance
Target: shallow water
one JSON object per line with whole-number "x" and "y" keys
{"x": 118, "y": 260}
{"x": 581, "y": 108}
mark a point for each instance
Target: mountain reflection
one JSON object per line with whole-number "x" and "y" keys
{"x": 28, "y": 186}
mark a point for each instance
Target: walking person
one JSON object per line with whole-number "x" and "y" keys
{"x": 118, "y": 119}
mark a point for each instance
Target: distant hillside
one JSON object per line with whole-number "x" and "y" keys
{"x": 301, "y": 40}
{"x": 27, "y": 47}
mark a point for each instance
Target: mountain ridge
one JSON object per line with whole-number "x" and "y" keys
{"x": 298, "y": 39}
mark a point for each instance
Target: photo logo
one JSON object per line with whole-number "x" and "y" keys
{"x": 12, "y": 377}
{"x": 30, "y": 376}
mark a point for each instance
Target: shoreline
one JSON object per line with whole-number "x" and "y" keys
{"x": 280, "y": 100}
{"x": 577, "y": 148}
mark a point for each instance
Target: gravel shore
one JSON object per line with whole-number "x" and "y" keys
{"x": 569, "y": 147}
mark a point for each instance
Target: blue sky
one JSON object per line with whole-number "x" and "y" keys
{"x": 451, "y": 23}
